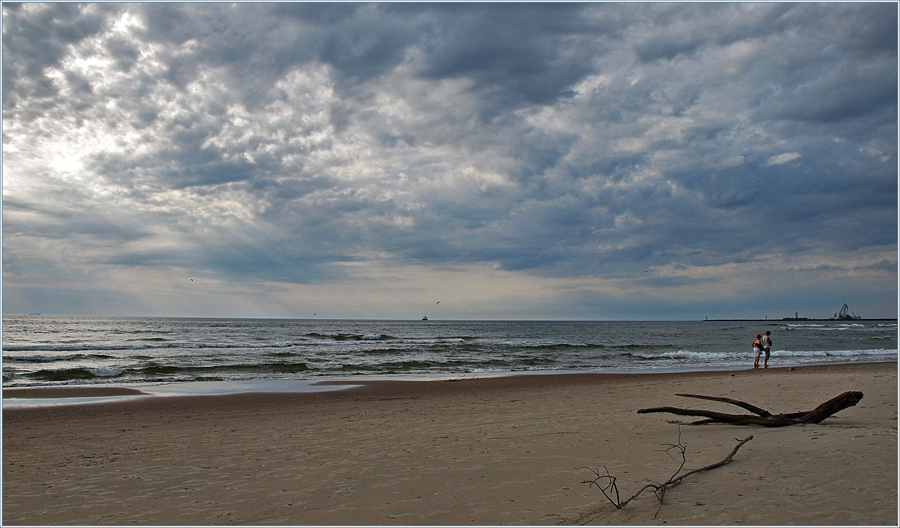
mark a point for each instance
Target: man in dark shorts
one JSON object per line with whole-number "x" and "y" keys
{"x": 767, "y": 348}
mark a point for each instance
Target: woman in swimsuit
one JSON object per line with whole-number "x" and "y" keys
{"x": 757, "y": 350}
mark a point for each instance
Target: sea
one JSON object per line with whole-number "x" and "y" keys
{"x": 44, "y": 351}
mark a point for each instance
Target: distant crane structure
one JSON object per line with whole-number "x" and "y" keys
{"x": 845, "y": 314}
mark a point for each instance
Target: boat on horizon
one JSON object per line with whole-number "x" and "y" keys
{"x": 425, "y": 318}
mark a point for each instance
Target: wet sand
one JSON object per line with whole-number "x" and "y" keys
{"x": 490, "y": 451}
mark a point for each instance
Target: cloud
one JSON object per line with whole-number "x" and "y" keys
{"x": 787, "y": 157}
{"x": 296, "y": 144}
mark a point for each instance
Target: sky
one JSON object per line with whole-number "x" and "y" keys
{"x": 580, "y": 161}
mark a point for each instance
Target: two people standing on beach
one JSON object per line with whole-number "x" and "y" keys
{"x": 762, "y": 345}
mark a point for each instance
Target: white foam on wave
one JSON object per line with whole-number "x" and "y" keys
{"x": 40, "y": 359}
{"x": 105, "y": 372}
{"x": 839, "y": 327}
{"x": 885, "y": 352}
{"x": 678, "y": 354}
{"x": 431, "y": 340}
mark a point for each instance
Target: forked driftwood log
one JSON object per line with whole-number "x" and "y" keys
{"x": 762, "y": 416}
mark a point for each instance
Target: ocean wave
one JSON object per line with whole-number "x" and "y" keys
{"x": 338, "y": 336}
{"x": 432, "y": 340}
{"x": 105, "y": 372}
{"x": 162, "y": 372}
{"x": 139, "y": 346}
{"x": 799, "y": 354}
{"x": 675, "y": 354}
{"x": 412, "y": 366}
{"x": 328, "y": 366}
{"x": 380, "y": 336}
{"x": 51, "y": 359}
{"x": 324, "y": 334}
{"x": 581, "y": 347}
{"x": 279, "y": 367}
{"x": 871, "y": 353}
{"x": 75, "y": 347}
{"x": 72, "y": 374}
{"x": 836, "y": 327}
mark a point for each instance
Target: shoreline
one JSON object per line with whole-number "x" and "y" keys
{"x": 14, "y": 397}
{"x": 487, "y": 451}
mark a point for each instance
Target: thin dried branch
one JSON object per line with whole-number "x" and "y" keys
{"x": 607, "y": 483}
{"x": 726, "y": 460}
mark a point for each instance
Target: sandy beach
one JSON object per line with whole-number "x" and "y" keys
{"x": 492, "y": 451}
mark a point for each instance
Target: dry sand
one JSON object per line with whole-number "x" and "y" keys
{"x": 491, "y": 451}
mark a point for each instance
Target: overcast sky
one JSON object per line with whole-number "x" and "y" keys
{"x": 512, "y": 161}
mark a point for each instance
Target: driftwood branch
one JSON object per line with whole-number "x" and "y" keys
{"x": 761, "y": 416}
{"x": 607, "y": 483}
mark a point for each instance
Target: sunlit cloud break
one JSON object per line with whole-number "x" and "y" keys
{"x": 513, "y": 161}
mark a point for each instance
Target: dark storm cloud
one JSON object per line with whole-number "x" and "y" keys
{"x": 514, "y": 54}
{"x": 283, "y": 141}
{"x": 848, "y": 91}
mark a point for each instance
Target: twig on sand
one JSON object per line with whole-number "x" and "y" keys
{"x": 606, "y": 483}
